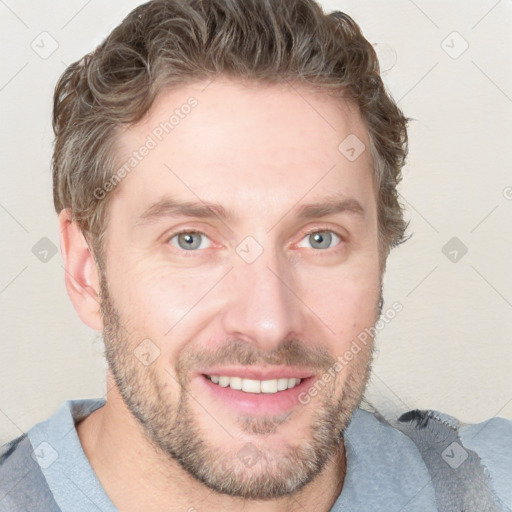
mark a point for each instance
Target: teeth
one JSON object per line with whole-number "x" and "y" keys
{"x": 235, "y": 383}
{"x": 269, "y": 386}
{"x": 251, "y": 386}
{"x": 282, "y": 384}
{"x": 254, "y": 386}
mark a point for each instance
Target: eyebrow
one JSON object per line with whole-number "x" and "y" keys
{"x": 170, "y": 207}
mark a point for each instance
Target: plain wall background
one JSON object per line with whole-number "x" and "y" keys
{"x": 448, "y": 349}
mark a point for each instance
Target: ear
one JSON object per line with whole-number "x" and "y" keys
{"x": 81, "y": 272}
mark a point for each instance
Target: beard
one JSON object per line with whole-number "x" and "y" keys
{"x": 252, "y": 470}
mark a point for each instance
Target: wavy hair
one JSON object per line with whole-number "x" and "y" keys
{"x": 168, "y": 43}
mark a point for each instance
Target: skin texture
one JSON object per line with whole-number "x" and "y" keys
{"x": 163, "y": 441}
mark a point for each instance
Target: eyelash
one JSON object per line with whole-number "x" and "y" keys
{"x": 316, "y": 230}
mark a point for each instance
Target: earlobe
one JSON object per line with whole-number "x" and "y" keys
{"x": 81, "y": 272}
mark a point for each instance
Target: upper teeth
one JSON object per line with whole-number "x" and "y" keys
{"x": 255, "y": 386}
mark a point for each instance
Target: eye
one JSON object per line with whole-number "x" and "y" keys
{"x": 321, "y": 239}
{"x": 189, "y": 240}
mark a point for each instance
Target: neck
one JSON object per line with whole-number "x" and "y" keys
{"x": 138, "y": 476}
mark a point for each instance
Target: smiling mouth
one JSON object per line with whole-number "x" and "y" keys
{"x": 270, "y": 386}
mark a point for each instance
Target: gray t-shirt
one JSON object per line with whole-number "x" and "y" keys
{"x": 425, "y": 461}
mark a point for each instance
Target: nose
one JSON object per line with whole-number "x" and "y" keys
{"x": 264, "y": 307}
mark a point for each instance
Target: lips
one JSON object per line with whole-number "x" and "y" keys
{"x": 258, "y": 373}
{"x": 255, "y": 391}
{"x": 254, "y": 385}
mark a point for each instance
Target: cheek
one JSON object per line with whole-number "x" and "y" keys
{"x": 158, "y": 304}
{"x": 344, "y": 299}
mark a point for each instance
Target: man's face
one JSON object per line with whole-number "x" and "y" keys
{"x": 266, "y": 293}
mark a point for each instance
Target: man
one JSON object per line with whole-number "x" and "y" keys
{"x": 225, "y": 175}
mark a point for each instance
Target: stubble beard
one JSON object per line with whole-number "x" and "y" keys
{"x": 175, "y": 431}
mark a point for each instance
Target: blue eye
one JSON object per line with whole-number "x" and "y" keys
{"x": 321, "y": 239}
{"x": 189, "y": 240}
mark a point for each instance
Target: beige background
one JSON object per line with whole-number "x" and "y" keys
{"x": 449, "y": 349}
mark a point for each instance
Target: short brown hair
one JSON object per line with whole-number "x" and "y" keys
{"x": 168, "y": 43}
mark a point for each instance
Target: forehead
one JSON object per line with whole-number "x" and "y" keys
{"x": 245, "y": 146}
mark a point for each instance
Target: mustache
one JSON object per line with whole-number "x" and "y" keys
{"x": 293, "y": 352}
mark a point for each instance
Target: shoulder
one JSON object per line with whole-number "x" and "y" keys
{"x": 470, "y": 464}
{"x": 22, "y": 483}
